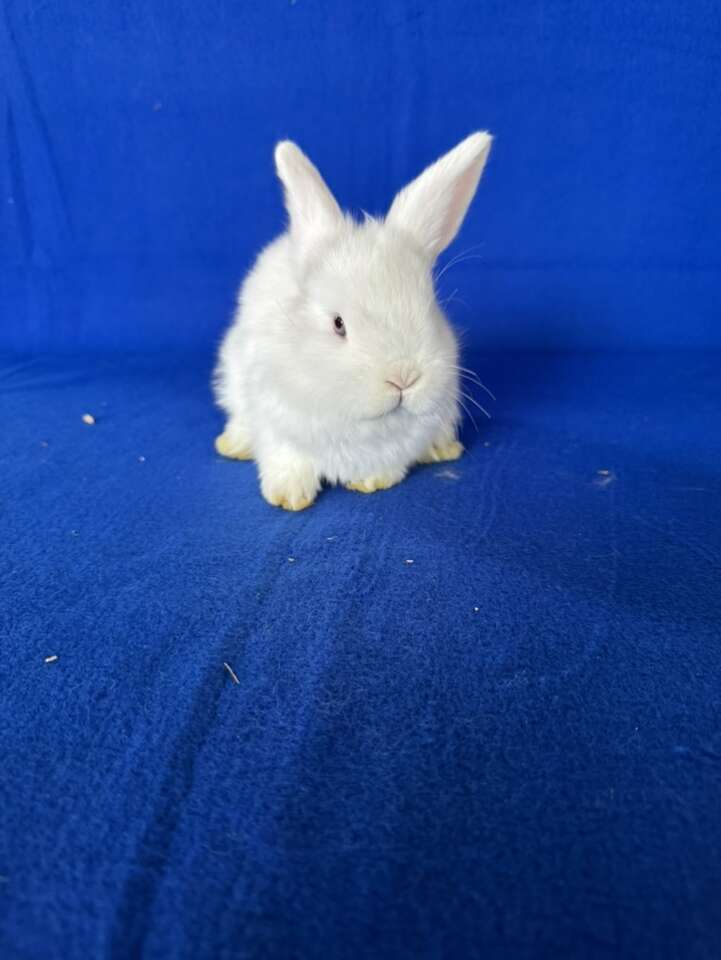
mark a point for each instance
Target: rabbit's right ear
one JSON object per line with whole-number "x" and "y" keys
{"x": 432, "y": 208}
{"x": 311, "y": 206}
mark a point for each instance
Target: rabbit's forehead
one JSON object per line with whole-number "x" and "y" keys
{"x": 376, "y": 277}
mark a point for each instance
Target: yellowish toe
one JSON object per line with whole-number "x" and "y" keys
{"x": 372, "y": 484}
{"x": 441, "y": 452}
{"x": 296, "y": 505}
{"x": 227, "y": 448}
{"x": 293, "y": 505}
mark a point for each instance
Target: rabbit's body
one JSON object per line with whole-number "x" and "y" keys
{"x": 340, "y": 366}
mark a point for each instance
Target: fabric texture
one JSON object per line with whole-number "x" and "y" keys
{"x": 507, "y": 747}
{"x": 477, "y": 715}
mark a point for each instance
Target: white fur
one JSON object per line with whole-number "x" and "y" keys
{"x": 309, "y": 405}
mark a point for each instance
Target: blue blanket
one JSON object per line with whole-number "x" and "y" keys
{"x": 476, "y": 715}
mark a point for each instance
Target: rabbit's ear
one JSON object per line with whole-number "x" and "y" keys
{"x": 311, "y": 206}
{"x": 431, "y": 208}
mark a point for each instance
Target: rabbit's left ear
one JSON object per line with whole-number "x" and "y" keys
{"x": 431, "y": 208}
{"x": 311, "y": 206}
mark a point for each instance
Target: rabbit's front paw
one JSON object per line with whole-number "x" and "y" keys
{"x": 381, "y": 481}
{"x": 234, "y": 442}
{"x": 289, "y": 499}
{"x": 445, "y": 450}
{"x": 292, "y": 486}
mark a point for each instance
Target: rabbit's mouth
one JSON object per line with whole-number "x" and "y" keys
{"x": 397, "y": 410}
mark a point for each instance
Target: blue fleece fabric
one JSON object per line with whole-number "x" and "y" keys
{"x": 477, "y": 715}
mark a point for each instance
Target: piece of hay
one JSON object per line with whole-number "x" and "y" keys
{"x": 231, "y": 672}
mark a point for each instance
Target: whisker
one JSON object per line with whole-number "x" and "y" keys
{"x": 465, "y": 373}
{"x": 447, "y": 266}
{"x": 454, "y": 299}
{"x": 476, "y": 403}
{"x": 466, "y": 370}
{"x": 467, "y": 378}
{"x": 457, "y": 257}
{"x": 478, "y": 382}
{"x": 471, "y": 381}
{"x": 446, "y": 300}
{"x": 468, "y": 412}
{"x": 456, "y": 261}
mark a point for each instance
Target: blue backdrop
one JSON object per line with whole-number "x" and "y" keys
{"x": 137, "y": 179}
{"x": 475, "y": 716}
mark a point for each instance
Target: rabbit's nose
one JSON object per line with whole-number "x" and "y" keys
{"x": 404, "y": 380}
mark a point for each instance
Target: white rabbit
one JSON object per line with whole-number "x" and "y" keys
{"x": 340, "y": 365}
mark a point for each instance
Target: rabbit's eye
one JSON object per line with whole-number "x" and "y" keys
{"x": 339, "y": 326}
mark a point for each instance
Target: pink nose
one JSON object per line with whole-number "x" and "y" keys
{"x": 405, "y": 380}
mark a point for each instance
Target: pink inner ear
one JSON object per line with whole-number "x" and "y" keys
{"x": 462, "y": 194}
{"x": 433, "y": 206}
